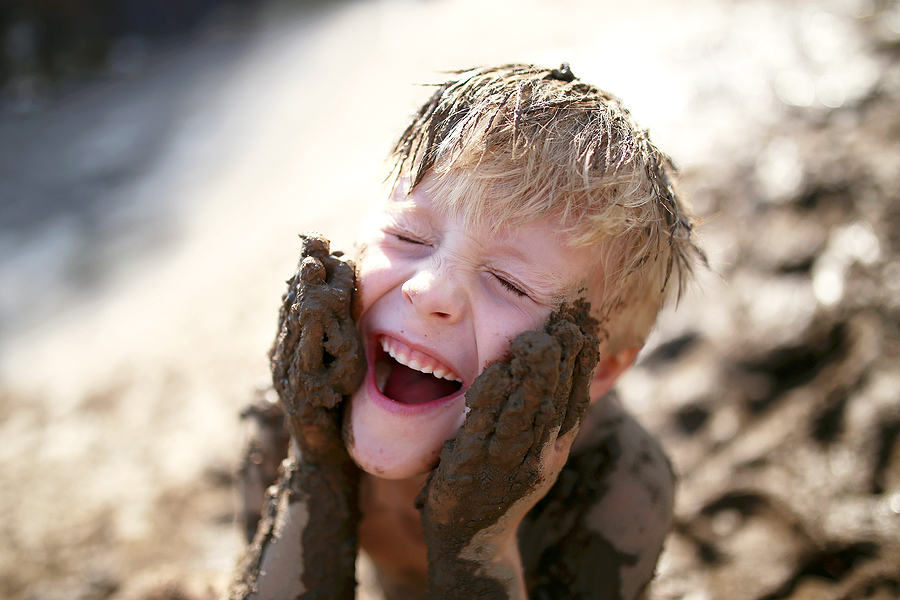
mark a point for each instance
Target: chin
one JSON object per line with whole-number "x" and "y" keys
{"x": 396, "y": 440}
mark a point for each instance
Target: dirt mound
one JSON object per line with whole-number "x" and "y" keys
{"x": 781, "y": 387}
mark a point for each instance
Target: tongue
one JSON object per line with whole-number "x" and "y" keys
{"x": 413, "y": 387}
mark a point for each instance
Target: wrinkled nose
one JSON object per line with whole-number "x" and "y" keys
{"x": 435, "y": 295}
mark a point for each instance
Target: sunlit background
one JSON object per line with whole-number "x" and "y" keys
{"x": 158, "y": 158}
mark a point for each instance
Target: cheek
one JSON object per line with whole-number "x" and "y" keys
{"x": 375, "y": 276}
{"x": 494, "y": 339}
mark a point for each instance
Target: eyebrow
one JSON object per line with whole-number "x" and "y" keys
{"x": 405, "y": 206}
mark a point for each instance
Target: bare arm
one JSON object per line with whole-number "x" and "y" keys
{"x": 306, "y": 543}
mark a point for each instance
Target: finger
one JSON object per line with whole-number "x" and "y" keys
{"x": 521, "y": 422}
{"x": 317, "y": 370}
{"x": 309, "y": 347}
{"x": 488, "y": 392}
{"x": 308, "y": 312}
{"x": 315, "y": 244}
{"x": 312, "y": 272}
{"x": 582, "y": 375}
{"x": 282, "y": 351}
{"x": 576, "y": 330}
{"x": 571, "y": 341}
{"x": 484, "y": 399}
{"x": 338, "y": 274}
{"x": 342, "y": 278}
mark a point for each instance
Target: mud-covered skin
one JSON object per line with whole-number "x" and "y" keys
{"x": 305, "y": 538}
{"x": 244, "y": 583}
{"x": 317, "y": 357}
{"x": 307, "y": 543}
{"x": 266, "y": 445}
{"x": 495, "y": 469}
{"x": 582, "y": 540}
{"x": 571, "y": 544}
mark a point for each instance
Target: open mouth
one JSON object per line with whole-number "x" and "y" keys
{"x": 410, "y": 377}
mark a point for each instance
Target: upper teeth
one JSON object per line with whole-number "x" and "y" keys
{"x": 416, "y": 360}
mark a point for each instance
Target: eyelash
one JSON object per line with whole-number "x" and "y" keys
{"x": 409, "y": 240}
{"x": 511, "y": 287}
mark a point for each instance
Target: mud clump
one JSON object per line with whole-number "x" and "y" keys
{"x": 317, "y": 357}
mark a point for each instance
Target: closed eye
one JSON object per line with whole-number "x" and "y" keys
{"x": 510, "y": 286}
{"x": 409, "y": 240}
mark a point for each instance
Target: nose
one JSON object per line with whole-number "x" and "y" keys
{"x": 436, "y": 294}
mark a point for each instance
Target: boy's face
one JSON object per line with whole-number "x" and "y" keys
{"x": 443, "y": 298}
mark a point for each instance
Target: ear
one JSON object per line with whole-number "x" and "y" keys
{"x": 608, "y": 370}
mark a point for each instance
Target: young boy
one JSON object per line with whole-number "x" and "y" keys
{"x": 449, "y": 402}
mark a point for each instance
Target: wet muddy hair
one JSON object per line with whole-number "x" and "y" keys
{"x": 515, "y": 143}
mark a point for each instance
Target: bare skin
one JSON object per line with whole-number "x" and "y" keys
{"x": 492, "y": 491}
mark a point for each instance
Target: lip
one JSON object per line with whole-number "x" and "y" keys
{"x": 392, "y": 406}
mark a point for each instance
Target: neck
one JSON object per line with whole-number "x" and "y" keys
{"x": 391, "y": 530}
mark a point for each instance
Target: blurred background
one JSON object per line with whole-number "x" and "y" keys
{"x": 159, "y": 157}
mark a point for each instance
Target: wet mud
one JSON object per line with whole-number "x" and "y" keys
{"x": 517, "y": 407}
{"x": 305, "y": 547}
{"x": 774, "y": 390}
{"x": 317, "y": 357}
{"x": 569, "y": 544}
{"x": 316, "y": 360}
{"x": 546, "y": 535}
{"x": 330, "y": 539}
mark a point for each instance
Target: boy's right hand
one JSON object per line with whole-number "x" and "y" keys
{"x": 317, "y": 357}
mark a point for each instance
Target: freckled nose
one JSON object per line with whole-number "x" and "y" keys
{"x": 435, "y": 296}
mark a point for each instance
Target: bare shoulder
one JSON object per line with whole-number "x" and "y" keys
{"x": 599, "y": 531}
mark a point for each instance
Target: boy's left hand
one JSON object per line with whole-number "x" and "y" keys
{"x": 524, "y": 415}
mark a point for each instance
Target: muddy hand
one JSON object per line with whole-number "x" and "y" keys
{"x": 514, "y": 439}
{"x": 317, "y": 357}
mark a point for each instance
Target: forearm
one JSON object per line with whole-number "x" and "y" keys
{"x": 307, "y": 542}
{"x": 485, "y": 568}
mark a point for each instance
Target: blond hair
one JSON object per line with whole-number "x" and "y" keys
{"x": 515, "y": 143}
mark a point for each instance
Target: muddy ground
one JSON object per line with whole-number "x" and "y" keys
{"x": 149, "y": 215}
